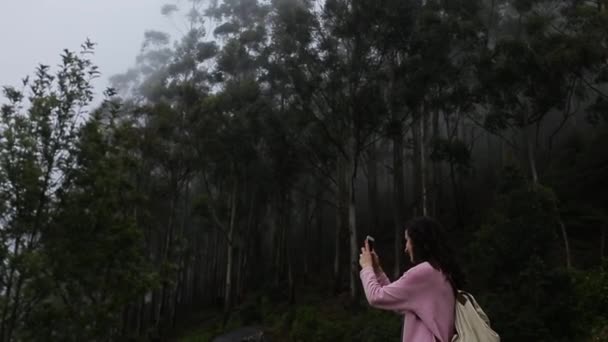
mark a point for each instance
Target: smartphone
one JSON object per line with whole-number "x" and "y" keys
{"x": 370, "y": 242}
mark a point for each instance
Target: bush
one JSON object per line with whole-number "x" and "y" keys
{"x": 592, "y": 294}
{"x": 528, "y": 296}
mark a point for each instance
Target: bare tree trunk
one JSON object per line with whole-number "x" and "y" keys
{"x": 236, "y": 274}
{"x": 203, "y": 274}
{"x": 177, "y": 295}
{"x": 243, "y": 274}
{"x": 310, "y": 222}
{"x": 289, "y": 248}
{"x": 277, "y": 241}
{"x": 319, "y": 241}
{"x": 215, "y": 284}
{"x": 140, "y": 316}
{"x": 423, "y": 188}
{"x": 452, "y": 131}
{"x": 529, "y": 143}
{"x": 290, "y": 277}
{"x": 436, "y": 167}
{"x": 182, "y": 258}
{"x": 221, "y": 275}
{"x": 416, "y": 170}
{"x": 566, "y": 243}
{"x": 198, "y": 271}
{"x": 126, "y": 320}
{"x": 157, "y": 293}
{"x": 564, "y": 232}
{"x": 230, "y": 251}
{"x": 603, "y": 242}
{"x": 532, "y": 161}
{"x": 8, "y": 291}
{"x": 242, "y": 271}
{"x": 372, "y": 188}
{"x": 398, "y": 199}
{"x": 340, "y": 220}
{"x": 352, "y": 218}
{"x": 165, "y": 255}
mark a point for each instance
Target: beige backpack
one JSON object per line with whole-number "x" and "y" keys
{"x": 472, "y": 324}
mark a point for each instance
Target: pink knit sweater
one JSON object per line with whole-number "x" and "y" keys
{"x": 422, "y": 294}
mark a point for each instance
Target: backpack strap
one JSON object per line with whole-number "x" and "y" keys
{"x": 462, "y": 297}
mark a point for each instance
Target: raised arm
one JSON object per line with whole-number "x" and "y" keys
{"x": 402, "y": 295}
{"x": 381, "y": 277}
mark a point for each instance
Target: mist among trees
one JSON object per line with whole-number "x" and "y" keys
{"x": 229, "y": 177}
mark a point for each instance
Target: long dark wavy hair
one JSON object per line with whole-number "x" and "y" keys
{"x": 431, "y": 244}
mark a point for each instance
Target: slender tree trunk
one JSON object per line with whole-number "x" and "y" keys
{"x": 564, "y": 232}
{"x": 182, "y": 258}
{"x": 319, "y": 225}
{"x": 398, "y": 199}
{"x": 492, "y": 162}
{"x": 529, "y": 143}
{"x": 290, "y": 277}
{"x": 277, "y": 241}
{"x": 309, "y": 223}
{"x": 8, "y": 292}
{"x": 157, "y": 293}
{"x": 532, "y": 161}
{"x": 416, "y": 170}
{"x": 126, "y": 315}
{"x": 289, "y": 248}
{"x": 423, "y": 187}
{"x": 455, "y": 192}
{"x": 244, "y": 275}
{"x": 177, "y": 293}
{"x": 372, "y": 188}
{"x": 154, "y": 304}
{"x": 8, "y": 323}
{"x": 198, "y": 270}
{"x": 242, "y": 271}
{"x": 340, "y": 221}
{"x": 566, "y": 243}
{"x": 352, "y": 218}
{"x": 452, "y": 131}
{"x": 215, "y": 271}
{"x": 221, "y": 275}
{"x": 230, "y": 250}
{"x": 141, "y": 312}
{"x": 16, "y": 308}
{"x": 423, "y": 167}
{"x": 603, "y": 242}
{"x": 236, "y": 274}
{"x": 437, "y": 189}
{"x": 165, "y": 256}
{"x": 208, "y": 278}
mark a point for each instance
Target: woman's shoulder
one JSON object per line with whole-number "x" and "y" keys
{"x": 424, "y": 269}
{"x": 420, "y": 269}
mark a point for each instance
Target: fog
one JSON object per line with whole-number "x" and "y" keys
{"x": 37, "y": 31}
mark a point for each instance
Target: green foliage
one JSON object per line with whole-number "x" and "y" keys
{"x": 515, "y": 268}
{"x": 319, "y": 320}
{"x": 456, "y": 152}
{"x": 95, "y": 255}
{"x": 592, "y": 292}
{"x": 230, "y": 141}
{"x": 76, "y": 256}
{"x": 309, "y": 325}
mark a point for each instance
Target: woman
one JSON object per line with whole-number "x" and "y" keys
{"x": 426, "y": 293}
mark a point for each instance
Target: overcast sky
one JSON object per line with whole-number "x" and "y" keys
{"x": 37, "y": 31}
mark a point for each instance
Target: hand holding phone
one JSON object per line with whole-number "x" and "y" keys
{"x": 370, "y": 242}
